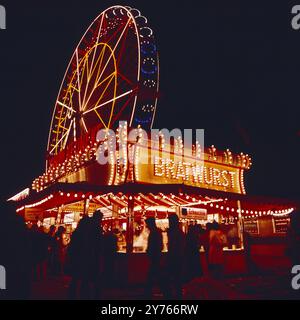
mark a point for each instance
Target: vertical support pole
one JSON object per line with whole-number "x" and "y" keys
{"x": 59, "y": 214}
{"x": 115, "y": 217}
{"x": 129, "y": 231}
{"x": 240, "y": 224}
{"x": 86, "y": 207}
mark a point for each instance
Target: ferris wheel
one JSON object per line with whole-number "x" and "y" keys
{"x": 113, "y": 76}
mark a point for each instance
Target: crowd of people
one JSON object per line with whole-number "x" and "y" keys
{"x": 181, "y": 264}
{"x": 30, "y": 254}
{"x": 89, "y": 255}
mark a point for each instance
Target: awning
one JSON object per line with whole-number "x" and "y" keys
{"x": 155, "y": 195}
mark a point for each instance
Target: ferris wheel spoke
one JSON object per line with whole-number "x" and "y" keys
{"x": 97, "y": 113}
{"x": 122, "y": 47}
{"x": 86, "y": 71}
{"x": 74, "y": 130}
{"x": 99, "y": 76}
{"x": 110, "y": 78}
{"x": 78, "y": 76}
{"x": 60, "y": 126}
{"x": 73, "y": 82}
{"x": 66, "y": 134}
{"x": 109, "y": 101}
{"x": 125, "y": 78}
{"x": 70, "y": 93}
{"x": 112, "y": 75}
{"x": 105, "y": 90}
{"x": 113, "y": 103}
{"x": 122, "y": 108}
{"x": 114, "y": 49}
{"x": 72, "y": 87}
{"x": 84, "y": 125}
{"x": 98, "y": 63}
{"x": 115, "y": 33}
{"x": 97, "y": 41}
{"x": 66, "y": 106}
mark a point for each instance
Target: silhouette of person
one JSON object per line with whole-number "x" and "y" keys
{"x": 15, "y": 254}
{"x": 110, "y": 246}
{"x": 86, "y": 258}
{"x": 247, "y": 240}
{"x": 60, "y": 250}
{"x": 175, "y": 259}
{"x": 154, "y": 248}
{"x": 96, "y": 253}
{"x": 193, "y": 263}
{"x": 51, "y": 250}
{"x": 293, "y": 245}
{"x": 293, "y": 239}
{"x": 205, "y": 242}
{"x": 217, "y": 241}
{"x": 80, "y": 261}
{"x": 40, "y": 243}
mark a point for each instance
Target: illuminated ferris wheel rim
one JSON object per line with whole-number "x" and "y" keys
{"x": 133, "y": 15}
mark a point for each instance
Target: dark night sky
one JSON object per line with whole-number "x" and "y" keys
{"x": 230, "y": 67}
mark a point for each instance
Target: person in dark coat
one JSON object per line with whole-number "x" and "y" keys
{"x": 293, "y": 239}
{"x": 85, "y": 258}
{"x": 110, "y": 247}
{"x": 81, "y": 261}
{"x": 16, "y": 255}
{"x": 247, "y": 241}
{"x": 51, "y": 250}
{"x": 60, "y": 251}
{"x": 154, "y": 248}
{"x": 193, "y": 263}
{"x": 40, "y": 242}
{"x": 217, "y": 241}
{"x": 205, "y": 242}
{"x": 97, "y": 253}
{"x": 175, "y": 259}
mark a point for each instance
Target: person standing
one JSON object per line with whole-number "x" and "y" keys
{"x": 79, "y": 262}
{"x": 110, "y": 247}
{"x": 154, "y": 248}
{"x": 217, "y": 241}
{"x": 97, "y": 253}
{"x": 193, "y": 263}
{"x": 16, "y": 255}
{"x": 250, "y": 265}
{"x": 51, "y": 250}
{"x": 60, "y": 250}
{"x": 293, "y": 239}
{"x": 205, "y": 243}
{"x": 175, "y": 259}
{"x": 86, "y": 258}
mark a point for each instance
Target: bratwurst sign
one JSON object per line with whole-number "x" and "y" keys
{"x": 207, "y": 172}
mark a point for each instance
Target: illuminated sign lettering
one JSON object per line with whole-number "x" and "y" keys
{"x": 194, "y": 173}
